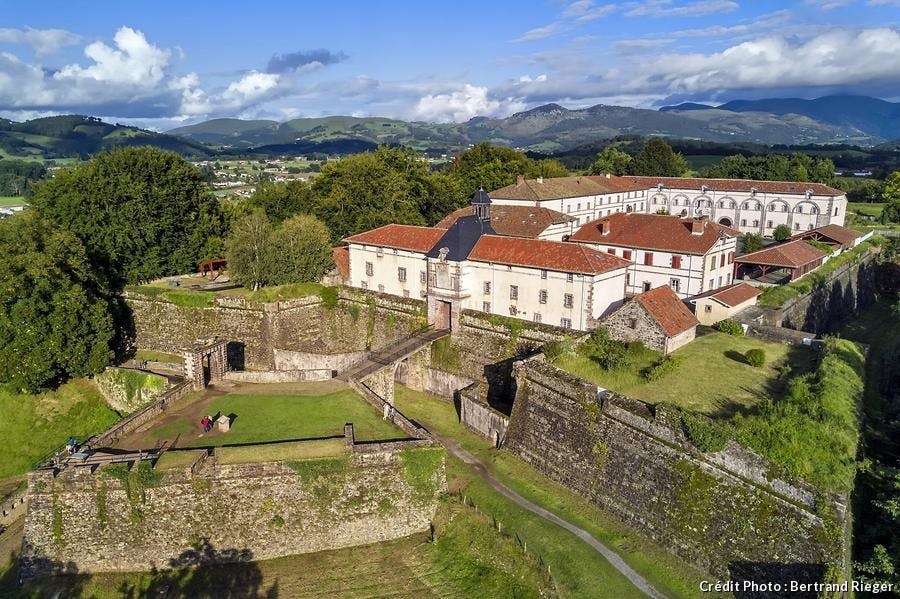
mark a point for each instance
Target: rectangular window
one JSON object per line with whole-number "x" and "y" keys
{"x": 769, "y": 224}
{"x": 513, "y": 292}
{"x": 611, "y": 251}
{"x": 720, "y": 281}
{"x": 379, "y": 252}
{"x": 364, "y": 285}
{"x": 712, "y": 262}
{"x": 542, "y": 296}
{"x": 743, "y": 222}
{"x": 648, "y": 258}
{"x": 537, "y": 317}
{"x": 675, "y": 284}
{"x": 454, "y": 283}
{"x": 406, "y": 293}
{"x": 626, "y": 254}
{"x": 543, "y": 274}
{"x": 401, "y": 274}
{"x": 381, "y": 289}
{"x": 707, "y": 308}
{"x": 711, "y": 284}
{"x": 513, "y": 310}
{"x": 676, "y": 261}
{"x": 722, "y": 260}
{"x": 485, "y": 306}
{"x": 422, "y": 277}
{"x": 730, "y": 257}
{"x": 369, "y": 269}
{"x": 632, "y": 323}
{"x": 565, "y": 323}
{"x": 569, "y": 277}
{"x": 567, "y": 300}
{"x": 646, "y": 286}
{"x": 487, "y": 287}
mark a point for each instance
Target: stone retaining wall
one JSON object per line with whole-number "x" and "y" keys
{"x": 727, "y": 512}
{"x": 475, "y": 413}
{"x": 92, "y": 521}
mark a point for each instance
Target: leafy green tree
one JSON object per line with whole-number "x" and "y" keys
{"x": 141, "y": 213}
{"x": 17, "y": 176}
{"x": 444, "y": 196}
{"x": 488, "y": 166}
{"x": 781, "y": 232}
{"x": 284, "y": 200}
{"x": 658, "y": 160}
{"x": 546, "y": 168}
{"x": 249, "y": 250}
{"x": 365, "y": 191}
{"x": 56, "y": 310}
{"x": 611, "y": 161}
{"x": 891, "y": 197}
{"x": 751, "y": 242}
{"x": 301, "y": 250}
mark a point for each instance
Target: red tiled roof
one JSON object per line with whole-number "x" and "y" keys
{"x": 540, "y": 253}
{"x": 653, "y": 232}
{"x": 736, "y": 185}
{"x": 402, "y": 237}
{"x": 514, "y": 221}
{"x": 836, "y": 233}
{"x": 341, "y": 257}
{"x": 732, "y": 295}
{"x": 791, "y": 254}
{"x": 556, "y": 188}
{"x": 667, "y": 310}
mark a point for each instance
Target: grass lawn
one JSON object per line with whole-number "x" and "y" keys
{"x": 32, "y": 426}
{"x": 866, "y": 208}
{"x": 712, "y": 378}
{"x": 576, "y": 568}
{"x": 12, "y": 200}
{"x": 157, "y": 356}
{"x": 261, "y": 417}
{"x": 291, "y": 450}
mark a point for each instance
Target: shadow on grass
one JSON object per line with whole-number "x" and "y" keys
{"x": 736, "y": 356}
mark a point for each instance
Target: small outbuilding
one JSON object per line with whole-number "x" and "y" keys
{"x": 658, "y": 318}
{"x": 723, "y": 303}
{"x": 780, "y": 263}
{"x": 838, "y": 237}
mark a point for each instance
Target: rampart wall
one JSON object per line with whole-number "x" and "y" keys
{"x": 727, "y": 512}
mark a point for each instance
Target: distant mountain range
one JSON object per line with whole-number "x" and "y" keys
{"x": 833, "y": 119}
{"x": 74, "y": 136}
{"x": 858, "y": 120}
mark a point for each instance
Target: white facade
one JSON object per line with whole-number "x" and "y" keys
{"x": 583, "y": 208}
{"x": 686, "y": 274}
{"x": 388, "y": 270}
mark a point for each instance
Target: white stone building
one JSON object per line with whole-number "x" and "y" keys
{"x": 748, "y": 206}
{"x": 689, "y": 255}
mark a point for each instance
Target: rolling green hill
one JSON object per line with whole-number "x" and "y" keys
{"x": 75, "y": 136}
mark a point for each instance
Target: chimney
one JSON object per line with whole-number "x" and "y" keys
{"x": 603, "y": 226}
{"x": 520, "y": 180}
{"x": 697, "y": 226}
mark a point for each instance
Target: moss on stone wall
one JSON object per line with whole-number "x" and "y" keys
{"x": 421, "y": 470}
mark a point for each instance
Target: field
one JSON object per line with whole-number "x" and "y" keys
{"x": 12, "y": 200}
{"x": 866, "y": 209}
{"x": 271, "y": 413}
{"x": 712, "y": 378}
{"x": 32, "y": 426}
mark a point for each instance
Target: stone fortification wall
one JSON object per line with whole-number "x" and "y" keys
{"x": 126, "y": 390}
{"x": 727, "y": 512}
{"x": 475, "y": 413}
{"x": 112, "y": 520}
{"x": 355, "y": 323}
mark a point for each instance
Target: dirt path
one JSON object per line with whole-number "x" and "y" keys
{"x": 611, "y": 556}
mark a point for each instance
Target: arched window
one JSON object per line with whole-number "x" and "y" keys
{"x": 799, "y": 209}
{"x": 813, "y": 210}
{"x": 745, "y": 205}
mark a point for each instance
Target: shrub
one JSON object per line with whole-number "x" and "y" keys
{"x": 555, "y": 349}
{"x": 755, "y": 357}
{"x": 731, "y": 327}
{"x": 781, "y": 232}
{"x": 663, "y": 367}
{"x": 705, "y": 434}
{"x": 751, "y": 242}
{"x": 608, "y": 353}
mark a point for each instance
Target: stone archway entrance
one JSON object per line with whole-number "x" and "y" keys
{"x": 205, "y": 362}
{"x": 726, "y": 221}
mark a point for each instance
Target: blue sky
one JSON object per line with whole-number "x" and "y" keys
{"x": 162, "y": 64}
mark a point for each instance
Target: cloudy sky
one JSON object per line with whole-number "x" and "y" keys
{"x": 163, "y": 64}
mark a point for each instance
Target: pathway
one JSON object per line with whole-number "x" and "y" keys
{"x": 611, "y": 556}
{"x": 392, "y": 354}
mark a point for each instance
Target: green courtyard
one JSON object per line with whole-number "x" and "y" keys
{"x": 712, "y": 376}
{"x": 270, "y": 413}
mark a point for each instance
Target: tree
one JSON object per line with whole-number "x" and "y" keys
{"x": 56, "y": 310}
{"x": 488, "y": 166}
{"x": 249, "y": 251}
{"x": 781, "y": 232}
{"x": 751, "y": 242}
{"x": 301, "y": 250}
{"x": 546, "y": 168}
{"x": 141, "y": 213}
{"x": 658, "y": 160}
{"x": 283, "y": 200}
{"x": 365, "y": 191}
{"x": 891, "y": 197}
{"x": 611, "y": 161}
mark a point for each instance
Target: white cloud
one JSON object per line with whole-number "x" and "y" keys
{"x": 666, "y": 8}
{"x": 461, "y": 105}
{"x": 577, "y": 8}
{"x": 827, "y": 5}
{"x": 539, "y": 33}
{"x": 134, "y": 61}
{"x": 883, "y": 3}
{"x": 42, "y": 41}
{"x": 597, "y": 13}
{"x": 766, "y": 21}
